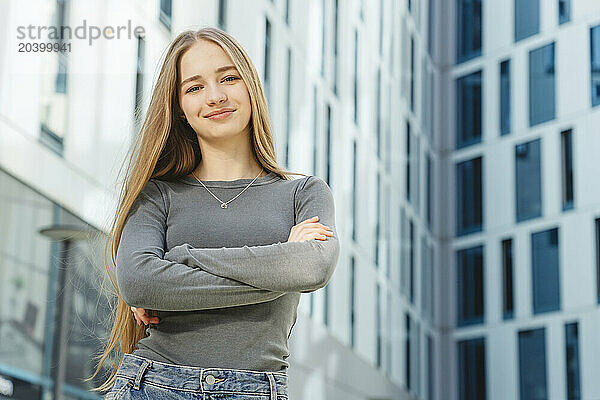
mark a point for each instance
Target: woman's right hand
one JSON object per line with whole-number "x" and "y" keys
{"x": 142, "y": 318}
{"x": 309, "y": 229}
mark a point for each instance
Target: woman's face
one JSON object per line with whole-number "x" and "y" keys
{"x": 207, "y": 85}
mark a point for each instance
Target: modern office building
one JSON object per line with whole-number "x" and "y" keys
{"x": 459, "y": 139}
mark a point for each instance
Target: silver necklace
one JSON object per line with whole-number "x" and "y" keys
{"x": 224, "y": 204}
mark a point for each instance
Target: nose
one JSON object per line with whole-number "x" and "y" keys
{"x": 215, "y": 95}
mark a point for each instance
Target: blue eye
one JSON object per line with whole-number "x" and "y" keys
{"x": 193, "y": 87}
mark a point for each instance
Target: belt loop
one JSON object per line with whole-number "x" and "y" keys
{"x": 272, "y": 385}
{"x": 140, "y": 374}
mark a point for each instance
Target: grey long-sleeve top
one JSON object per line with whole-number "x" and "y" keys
{"x": 224, "y": 281}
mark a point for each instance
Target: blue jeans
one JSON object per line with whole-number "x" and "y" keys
{"x": 141, "y": 378}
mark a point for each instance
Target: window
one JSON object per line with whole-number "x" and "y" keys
{"x": 597, "y": 225}
{"x": 379, "y": 111}
{"x": 403, "y": 263}
{"x": 54, "y": 85}
{"x": 408, "y": 161}
{"x": 429, "y": 187}
{"x": 355, "y": 85}
{"x": 528, "y": 180}
{"x": 328, "y": 144}
{"x": 378, "y": 323}
{"x": 426, "y": 280}
{"x": 222, "y": 14}
{"x": 505, "y": 97}
{"x": 541, "y": 85}
{"x": 567, "y": 169}
{"x": 469, "y": 105}
{"x": 288, "y": 106}
{"x": 468, "y": 24}
{"x": 545, "y": 272}
{"x": 507, "y": 278}
{"x": 354, "y": 189}
{"x": 471, "y": 369}
{"x": 469, "y": 205}
{"x": 527, "y": 18}
{"x": 469, "y": 288}
{"x": 595, "y": 64}
{"x": 564, "y": 11}
{"x": 407, "y": 353}
{"x": 532, "y": 364}
{"x": 430, "y": 369}
{"x": 572, "y": 361}
{"x": 412, "y": 74}
{"x": 165, "y": 13}
{"x": 336, "y": 75}
{"x": 139, "y": 79}
{"x": 411, "y": 262}
{"x": 377, "y": 218}
{"x": 352, "y": 301}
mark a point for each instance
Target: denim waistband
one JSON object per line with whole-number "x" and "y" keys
{"x": 201, "y": 380}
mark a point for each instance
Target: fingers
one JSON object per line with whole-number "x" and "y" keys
{"x": 141, "y": 317}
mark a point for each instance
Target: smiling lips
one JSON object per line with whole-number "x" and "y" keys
{"x": 220, "y": 114}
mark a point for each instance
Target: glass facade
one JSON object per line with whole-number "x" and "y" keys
{"x": 567, "y": 169}
{"x": 469, "y": 286}
{"x": 527, "y": 18}
{"x": 469, "y": 200}
{"x": 541, "y": 85}
{"x": 545, "y": 271}
{"x": 52, "y": 316}
{"x": 564, "y": 11}
{"x": 572, "y": 361}
{"x": 528, "y": 180}
{"x": 532, "y": 364}
{"x": 595, "y": 64}
{"x": 469, "y": 28}
{"x": 471, "y": 369}
{"x": 507, "y": 280}
{"x": 505, "y": 97}
{"x": 469, "y": 106}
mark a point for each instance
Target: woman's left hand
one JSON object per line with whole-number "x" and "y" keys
{"x": 142, "y": 318}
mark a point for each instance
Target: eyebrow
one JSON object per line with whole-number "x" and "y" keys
{"x": 198, "y": 76}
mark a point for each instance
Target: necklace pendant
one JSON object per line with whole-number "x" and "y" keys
{"x": 223, "y": 205}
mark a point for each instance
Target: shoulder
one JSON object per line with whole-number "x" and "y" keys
{"x": 311, "y": 186}
{"x": 153, "y": 190}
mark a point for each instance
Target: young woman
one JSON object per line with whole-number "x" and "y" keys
{"x": 212, "y": 242}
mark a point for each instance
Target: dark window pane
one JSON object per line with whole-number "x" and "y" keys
{"x": 595, "y": 63}
{"x": 567, "y": 170}
{"x": 469, "y": 105}
{"x": 564, "y": 11}
{"x": 430, "y": 369}
{"x": 507, "y": 274}
{"x": 528, "y": 180}
{"x": 471, "y": 369}
{"x": 545, "y": 273}
{"x": 165, "y": 13}
{"x": 411, "y": 263}
{"x": 541, "y": 85}
{"x": 469, "y": 207}
{"x": 469, "y": 289}
{"x": 532, "y": 365}
{"x": 407, "y": 355}
{"x": 572, "y": 366}
{"x": 468, "y": 25}
{"x": 505, "y": 97}
{"x": 527, "y": 18}
{"x": 597, "y": 223}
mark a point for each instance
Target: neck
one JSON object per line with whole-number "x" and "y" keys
{"x": 227, "y": 160}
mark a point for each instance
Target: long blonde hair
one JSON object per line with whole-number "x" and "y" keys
{"x": 168, "y": 148}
